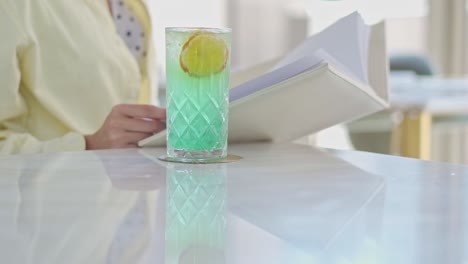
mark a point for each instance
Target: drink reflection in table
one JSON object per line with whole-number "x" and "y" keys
{"x": 196, "y": 214}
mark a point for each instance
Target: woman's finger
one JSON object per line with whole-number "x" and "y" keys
{"x": 134, "y": 137}
{"x": 140, "y": 125}
{"x": 141, "y": 111}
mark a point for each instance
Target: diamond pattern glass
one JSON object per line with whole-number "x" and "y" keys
{"x": 197, "y": 106}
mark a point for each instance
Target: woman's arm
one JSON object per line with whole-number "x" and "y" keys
{"x": 12, "y": 104}
{"x": 124, "y": 126}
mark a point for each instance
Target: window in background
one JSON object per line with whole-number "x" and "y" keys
{"x": 447, "y": 37}
{"x": 465, "y": 44}
{"x": 466, "y": 37}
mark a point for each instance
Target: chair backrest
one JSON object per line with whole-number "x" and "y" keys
{"x": 419, "y": 64}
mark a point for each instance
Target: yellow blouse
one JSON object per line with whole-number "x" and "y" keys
{"x": 62, "y": 68}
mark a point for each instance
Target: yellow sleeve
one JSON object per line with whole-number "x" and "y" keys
{"x": 12, "y": 104}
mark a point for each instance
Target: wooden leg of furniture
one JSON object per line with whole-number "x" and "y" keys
{"x": 415, "y": 135}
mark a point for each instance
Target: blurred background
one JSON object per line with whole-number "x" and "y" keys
{"x": 427, "y": 44}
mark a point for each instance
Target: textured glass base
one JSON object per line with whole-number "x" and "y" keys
{"x": 228, "y": 159}
{"x": 190, "y": 156}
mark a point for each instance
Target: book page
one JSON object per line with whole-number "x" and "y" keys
{"x": 274, "y": 77}
{"x": 378, "y": 61}
{"x": 364, "y": 37}
{"x": 346, "y": 41}
{"x": 335, "y": 63}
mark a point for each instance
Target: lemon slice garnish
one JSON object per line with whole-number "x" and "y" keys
{"x": 204, "y": 54}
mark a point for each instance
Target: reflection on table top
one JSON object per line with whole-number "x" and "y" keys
{"x": 280, "y": 204}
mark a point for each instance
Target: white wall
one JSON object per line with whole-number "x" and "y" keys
{"x": 407, "y": 35}
{"x": 406, "y": 19}
{"x": 324, "y": 12}
{"x": 264, "y": 29}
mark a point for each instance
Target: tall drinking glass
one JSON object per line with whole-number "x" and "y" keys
{"x": 197, "y": 66}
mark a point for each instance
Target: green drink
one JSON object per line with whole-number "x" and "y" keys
{"x": 197, "y": 66}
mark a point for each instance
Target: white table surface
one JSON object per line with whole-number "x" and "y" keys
{"x": 440, "y": 96}
{"x": 280, "y": 204}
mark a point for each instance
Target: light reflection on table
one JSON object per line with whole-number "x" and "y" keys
{"x": 280, "y": 204}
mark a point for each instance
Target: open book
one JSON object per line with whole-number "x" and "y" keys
{"x": 335, "y": 76}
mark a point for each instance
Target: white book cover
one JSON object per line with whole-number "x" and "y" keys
{"x": 335, "y": 76}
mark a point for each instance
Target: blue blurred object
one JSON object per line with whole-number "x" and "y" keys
{"x": 417, "y": 63}
{"x": 374, "y": 133}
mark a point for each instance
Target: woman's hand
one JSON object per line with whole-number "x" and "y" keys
{"x": 126, "y": 125}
